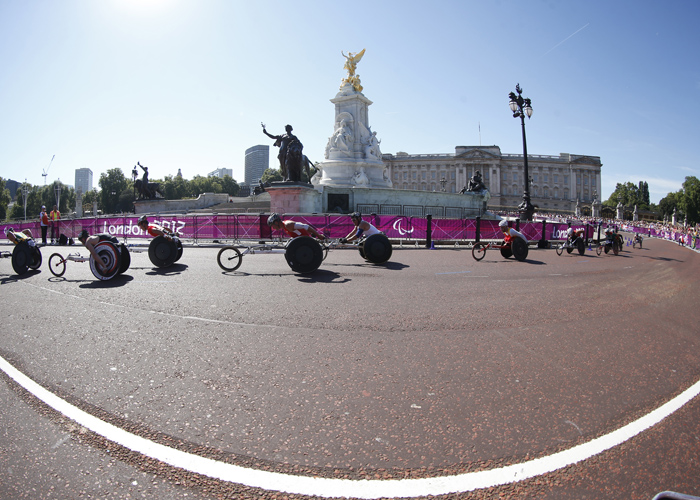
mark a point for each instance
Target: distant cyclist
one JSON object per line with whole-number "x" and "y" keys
{"x": 362, "y": 229}
{"x": 292, "y": 228}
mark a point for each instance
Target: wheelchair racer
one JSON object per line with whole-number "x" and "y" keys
{"x": 154, "y": 229}
{"x": 292, "y": 228}
{"x": 510, "y": 233}
{"x": 572, "y": 234}
{"x": 363, "y": 229}
{"x": 22, "y": 236}
{"x": 90, "y": 241}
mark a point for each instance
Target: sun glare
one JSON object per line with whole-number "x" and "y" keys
{"x": 143, "y": 7}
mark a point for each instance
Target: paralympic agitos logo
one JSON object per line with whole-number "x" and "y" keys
{"x": 397, "y": 227}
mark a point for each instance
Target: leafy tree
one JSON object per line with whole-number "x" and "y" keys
{"x": 126, "y": 201}
{"x": 112, "y": 184}
{"x": 34, "y": 202}
{"x": 689, "y": 202}
{"x": 175, "y": 188}
{"x": 627, "y": 194}
{"x": 66, "y": 198}
{"x": 230, "y": 186}
{"x": 644, "y": 195}
{"x": 4, "y": 199}
{"x": 271, "y": 175}
{"x": 668, "y": 203}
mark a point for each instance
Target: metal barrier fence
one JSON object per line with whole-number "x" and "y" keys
{"x": 208, "y": 227}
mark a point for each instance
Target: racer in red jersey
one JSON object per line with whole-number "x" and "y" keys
{"x": 154, "y": 229}
{"x": 509, "y": 233}
{"x": 293, "y": 229}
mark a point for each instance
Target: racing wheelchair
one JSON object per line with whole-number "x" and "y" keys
{"x": 303, "y": 254}
{"x": 24, "y": 257}
{"x": 516, "y": 248}
{"x": 115, "y": 257}
{"x": 570, "y": 245}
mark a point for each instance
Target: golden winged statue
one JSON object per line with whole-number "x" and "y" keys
{"x": 350, "y": 65}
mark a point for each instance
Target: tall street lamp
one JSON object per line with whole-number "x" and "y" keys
{"x": 25, "y": 193}
{"x": 57, "y": 190}
{"x": 520, "y": 107}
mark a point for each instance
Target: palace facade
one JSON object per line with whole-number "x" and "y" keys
{"x": 558, "y": 183}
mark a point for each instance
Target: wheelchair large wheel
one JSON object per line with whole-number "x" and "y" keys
{"x": 125, "y": 257}
{"x": 581, "y": 246}
{"x": 162, "y": 251}
{"x": 109, "y": 254}
{"x": 35, "y": 258}
{"x": 303, "y": 254}
{"x": 520, "y": 249}
{"x": 21, "y": 258}
{"x": 376, "y": 249}
{"x": 178, "y": 246}
{"x": 506, "y": 251}
{"x": 229, "y": 258}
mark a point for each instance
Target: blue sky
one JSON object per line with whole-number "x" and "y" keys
{"x": 184, "y": 84}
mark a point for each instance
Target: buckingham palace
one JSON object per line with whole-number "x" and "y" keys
{"x": 557, "y": 183}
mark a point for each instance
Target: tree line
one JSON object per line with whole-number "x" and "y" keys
{"x": 116, "y": 194}
{"x": 685, "y": 202}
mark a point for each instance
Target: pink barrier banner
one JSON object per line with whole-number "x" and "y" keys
{"x": 254, "y": 226}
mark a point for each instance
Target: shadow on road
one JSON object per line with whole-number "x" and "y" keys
{"x": 117, "y": 281}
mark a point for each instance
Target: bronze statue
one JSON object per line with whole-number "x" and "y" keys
{"x": 147, "y": 190}
{"x": 475, "y": 183}
{"x": 291, "y": 155}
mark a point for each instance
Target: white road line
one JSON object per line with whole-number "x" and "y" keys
{"x": 335, "y": 488}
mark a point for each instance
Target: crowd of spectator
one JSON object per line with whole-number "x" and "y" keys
{"x": 680, "y": 233}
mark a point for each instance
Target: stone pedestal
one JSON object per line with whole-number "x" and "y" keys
{"x": 292, "y": 197}
{"x": 352, "y": 156}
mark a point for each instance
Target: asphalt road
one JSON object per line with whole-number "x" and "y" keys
{"x": 431, "y": 366}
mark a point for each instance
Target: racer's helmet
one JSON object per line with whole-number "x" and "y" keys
{"x": 570, "y": 231}
{"x": 83, "y": 235}
{"x": 503, "y": 223}
{"x": 9, "y": 230}
{"x": 356, "y": 215}
{"x": 142, "y": 219}
{"x": 608, "y": 231}
{"x": 274, "y": 217}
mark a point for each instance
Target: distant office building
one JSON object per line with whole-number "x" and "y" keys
{"x": 83, "y": 179}
{"x": 221, "y": 172}
{"x": 257, "y": 160}
{"x": 13, "y": 187}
